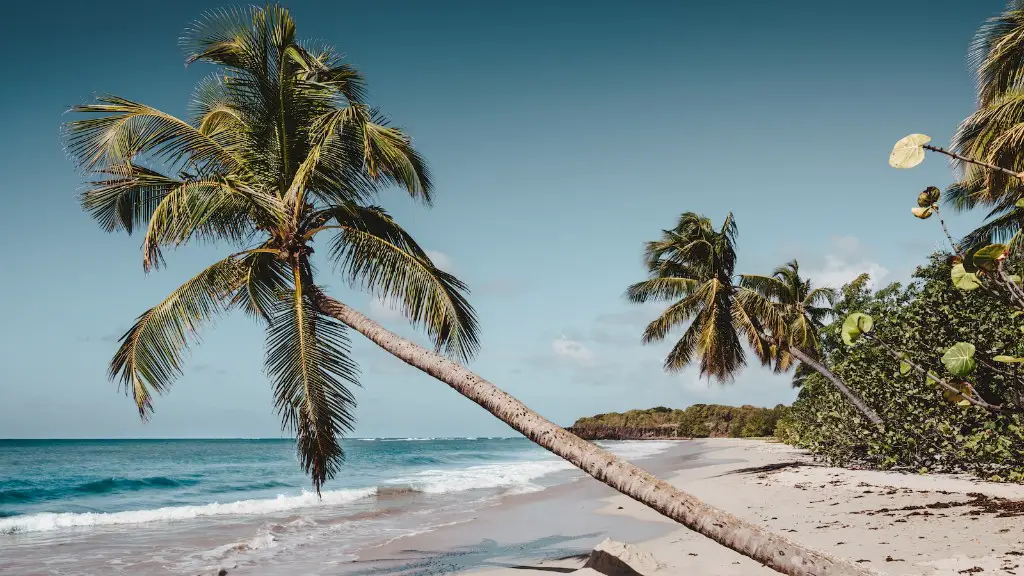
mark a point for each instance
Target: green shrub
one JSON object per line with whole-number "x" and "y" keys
{"x": 923, "y": 431}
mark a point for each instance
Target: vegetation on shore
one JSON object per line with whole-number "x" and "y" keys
{"x": 695, "y": 421}
{"x": 925, "y": 431}
{"x": 940, "y": 358}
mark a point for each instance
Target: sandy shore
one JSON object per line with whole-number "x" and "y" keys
{"x": 893, "y": 523}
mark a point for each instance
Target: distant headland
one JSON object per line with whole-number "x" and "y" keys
{"x": 696, "y": 421}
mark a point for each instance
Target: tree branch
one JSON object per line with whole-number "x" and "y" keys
{"x": 932, "y": 376}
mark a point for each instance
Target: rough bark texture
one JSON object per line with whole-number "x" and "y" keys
{"x": 838, "y": 383}
{"x": 773, "y": 550}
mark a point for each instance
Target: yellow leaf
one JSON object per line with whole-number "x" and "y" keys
{"x": 909, "y": 151}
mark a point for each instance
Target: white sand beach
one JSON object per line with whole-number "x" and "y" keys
{"x": 895, "y": 523}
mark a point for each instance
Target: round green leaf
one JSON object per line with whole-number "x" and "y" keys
{"x": 968, "y": 259}
{"x": 909, "y": 151}
{"x": 930, "y": 196}
{"x": 959, "y": 359}
{"x": 855, "y": 325}
{"x": 1014, "y": 278}
{"x": 1020, "y": 203}
{"x": 963, "y": 279}
{"x": 988, "y": 258}
{"x": 905, "y": 367}
{"x": 922, "y": 213}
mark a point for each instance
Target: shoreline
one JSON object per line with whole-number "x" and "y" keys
{"x": 892, "y": 522}
{"x": 520, "y": 530}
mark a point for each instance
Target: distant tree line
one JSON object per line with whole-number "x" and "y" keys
{"x": 696, "y": 421}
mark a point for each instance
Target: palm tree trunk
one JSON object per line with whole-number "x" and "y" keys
{"x": 839, "y": 384}
{"x": 773, "y": 550}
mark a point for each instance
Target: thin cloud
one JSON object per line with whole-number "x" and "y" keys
{"x": 572, "y": 349}
{"x": 844, "y": 262}
{"x": 441, "y": 260}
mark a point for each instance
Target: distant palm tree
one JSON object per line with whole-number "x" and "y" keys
{"x": 281, "y": 148}
{"x": 994, "y": 132}
{"x": 693, "y": 265}
{"x": 794, "y": 327}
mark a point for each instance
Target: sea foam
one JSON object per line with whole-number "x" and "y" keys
{"x": 46, "y": 521}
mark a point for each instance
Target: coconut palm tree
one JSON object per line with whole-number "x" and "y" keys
{"x": 801, "y": 311}
{"x": 282, "y": 149}
{"x": 778, "y": 317}
{"x": 693, "y": 264}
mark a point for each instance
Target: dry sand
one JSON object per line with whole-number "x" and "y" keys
{"x": 894, "y": 523}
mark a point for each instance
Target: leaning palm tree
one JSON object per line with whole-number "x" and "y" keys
{"x": 800, "y": 313}
{"x": 693, "y": 265}
{"x": 282, "y": 149}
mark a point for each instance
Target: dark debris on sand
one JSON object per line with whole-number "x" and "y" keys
{"x": 980, "y": 504}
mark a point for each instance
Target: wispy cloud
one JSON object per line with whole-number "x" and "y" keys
{"x": 845, "y": 261}
{"x": 572, "y": 350}
{"x": 443, "y": 261}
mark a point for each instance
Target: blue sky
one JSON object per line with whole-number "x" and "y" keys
{"x": 561, "y": 135}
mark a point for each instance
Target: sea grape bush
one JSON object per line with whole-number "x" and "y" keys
{"x": 925, "y": 431}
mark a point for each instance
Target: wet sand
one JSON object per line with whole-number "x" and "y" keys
{"x": 561, "y": 522}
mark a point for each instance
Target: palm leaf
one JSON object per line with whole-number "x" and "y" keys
{"x": 151, "y": 353}
{"x": 210, "y": 209}
{"x": 661, "y": 289}
{"x": 126, "y": 196}
{"x": 264, "y": 280}
{"x": 127, "y": 129}
{"x": 377, "y": 254}
{"x": 309, "y": 362}
{"x": 769, "y": 287}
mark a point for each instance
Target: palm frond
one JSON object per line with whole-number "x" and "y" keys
{"x": 209, "y": 209}
{"x": 770, "y": 287}
{"x": 264, "y": 280}
{"x": 1001, "y": 228}
{"x": 996, "y": 53}
{"x": 151, "y": 353}
{"x": 818, "y": 297}
{"x": 389, "y": 155}
{"x": 377, "y": 254}
{"x": 126, "y": 129}
{"x": 126, "y": 196}
{"x": 750, "y": 314}
{"x": 661, "y": 289}
{"x": 309, "y": 362}
{"x": 719, "y": 344}
{"x": 676, "y": 315}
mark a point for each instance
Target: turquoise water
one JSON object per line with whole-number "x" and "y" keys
{"x": 178, "y": 506}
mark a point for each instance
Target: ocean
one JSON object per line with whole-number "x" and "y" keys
{"x": 190, "y": 506}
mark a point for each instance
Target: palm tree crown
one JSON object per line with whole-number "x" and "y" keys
{"x": 801, "y": 310}
{"x": 280, "y": 147}
{"x": 693, "y": 264}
